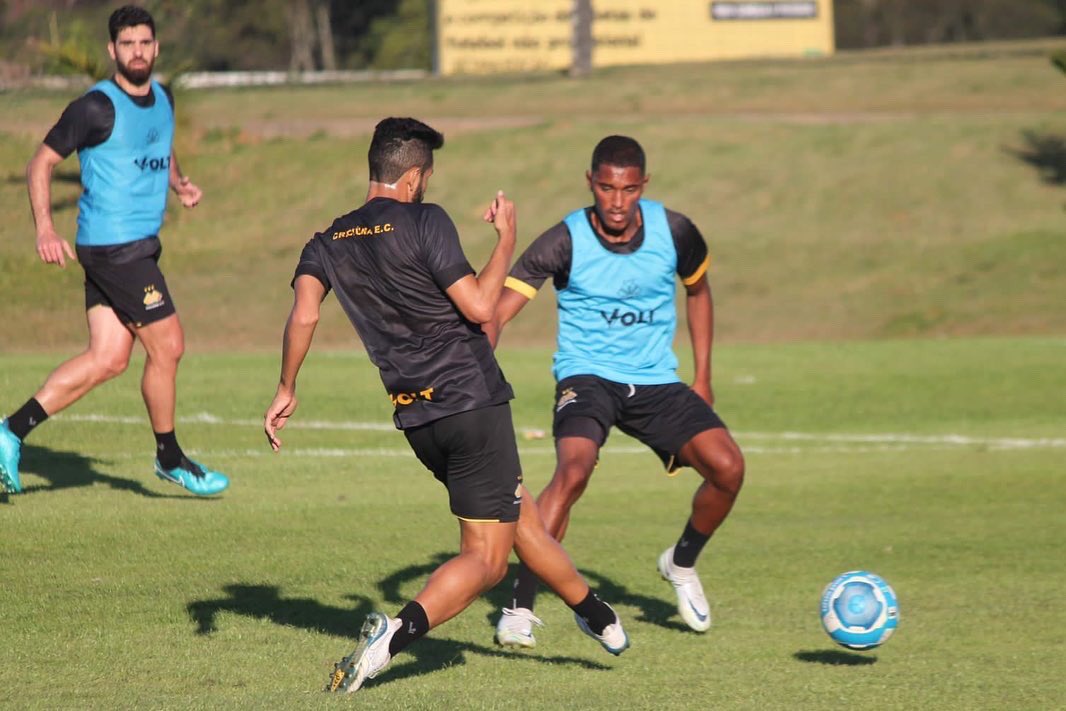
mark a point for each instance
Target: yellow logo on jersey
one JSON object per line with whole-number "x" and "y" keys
{"x": 364, "y": 231}
{"x": 402, "y": 399}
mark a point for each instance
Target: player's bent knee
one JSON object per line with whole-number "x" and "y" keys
{"x": 108, "y": 366}
{"x": 493, "y": 565}
{"x": 497, "y": 572}
{"x": 728, "y": 473}
{"x": 493, "y": 570}
{"x": 174, "y": 350}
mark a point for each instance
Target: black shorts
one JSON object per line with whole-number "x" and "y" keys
{"x": 475, "y": 456}
{"x": 126, "y": 278}
{"x": 664, "y": 417}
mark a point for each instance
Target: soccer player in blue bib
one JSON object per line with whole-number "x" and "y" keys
{"x": 614, "y": 266}
{"x": 123, "y": 130}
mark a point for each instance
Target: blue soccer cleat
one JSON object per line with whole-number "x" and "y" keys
{"x": 10, "y": 453}
{"x": 193, "y": 477}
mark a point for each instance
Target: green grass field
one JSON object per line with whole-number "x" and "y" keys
{"x": 937, "y": 464}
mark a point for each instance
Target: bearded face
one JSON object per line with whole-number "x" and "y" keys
{"x": 137, "y": 71}
{"x": 134, "y": 51}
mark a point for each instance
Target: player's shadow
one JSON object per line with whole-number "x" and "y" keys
{"x": 1044, "y": 151}
{"x": 60, "y": 176}
{"x": 834, "y": 657}
{"x": 429, "y": 654}
{"x": 69, "y": 470}
{"x": 70, "y": 177}
{"x": 654, "y": 611}
{"x": 264, "y": 602}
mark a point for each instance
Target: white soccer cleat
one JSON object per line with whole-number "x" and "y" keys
{"x": 370, "y": 657}
{"x": 691, "y": 602}
{"x": 515, "y": 628}
{"x": 614, "y": 639}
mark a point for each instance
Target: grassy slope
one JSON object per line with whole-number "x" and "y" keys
{"x": 119, "y": 594}
{"x": 862, "y": 196}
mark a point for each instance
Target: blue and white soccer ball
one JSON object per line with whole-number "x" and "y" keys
{"x": 859, "y": 610}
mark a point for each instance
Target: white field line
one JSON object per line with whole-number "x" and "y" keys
{"x": 209, "y": 419}
{"x": 386, "y": 452}
{"x": 828, "y": 442}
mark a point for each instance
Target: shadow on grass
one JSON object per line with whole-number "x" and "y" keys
{"x": 59, "y": 176}
{"x": 264, "y": 602}
{"x": 69, "y": 470}
{"x": 430, "y": 653}
{"x": 834, "y": 657}
{"x": 652, "y": 610}
{"x": 70, "y": 177}
{"x": 1046, "y": 152}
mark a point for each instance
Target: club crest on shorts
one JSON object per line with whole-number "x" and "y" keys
{"x": 568, "y": 396}
{"x": 152, "y": 298}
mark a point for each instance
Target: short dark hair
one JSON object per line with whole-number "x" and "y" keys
{"x": 129, "y": 16}
{"x": 400, "y": 144}
{"x": 621, "y": 151}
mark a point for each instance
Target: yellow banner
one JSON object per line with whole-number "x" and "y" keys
{"x": 486, "y": 36}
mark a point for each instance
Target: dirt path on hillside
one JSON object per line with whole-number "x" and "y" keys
{"x": 362, "y": 126}
{"x": 265, "y": 129}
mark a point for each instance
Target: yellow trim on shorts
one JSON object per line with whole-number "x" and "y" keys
{"x": 477, "y": 520}
{"x": 695, "y": 277}
{"x": 672, "y": 467}
{"x": 521, "y": 287}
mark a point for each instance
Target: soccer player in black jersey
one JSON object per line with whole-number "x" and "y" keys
{"x": 122, "y": 129}
{"x": 614, "y": 266}
{"x": 401, "y": 277}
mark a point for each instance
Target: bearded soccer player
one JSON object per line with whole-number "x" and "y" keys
{"x": 614, "y": 266}
{"x": 122, "y": 129}
{"x": 399, "y": 273}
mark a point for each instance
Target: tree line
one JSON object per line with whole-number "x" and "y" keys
{"x": 877, "y": 23}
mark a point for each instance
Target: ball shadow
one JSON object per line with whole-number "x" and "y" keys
{"x": 834, "y": 657}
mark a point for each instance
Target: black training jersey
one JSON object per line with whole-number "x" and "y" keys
{"x": 389, "y": 264}
{"x": 88, "y": 121}
{"x": 550, "y": 254}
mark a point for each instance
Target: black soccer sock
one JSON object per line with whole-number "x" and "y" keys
{"x": 595, "y": 612}
{"x": 413, "y": 624}
{"x": 524, "y": 593}
{"x": 688, "y": 547}
{"x": 167, "y": 449}
{"x": 24, "y": 419}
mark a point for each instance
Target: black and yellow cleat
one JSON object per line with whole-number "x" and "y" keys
{"x": 337, "y": 678}
{"x": 370, "y": 657}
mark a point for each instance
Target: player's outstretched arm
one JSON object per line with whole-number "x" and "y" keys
{"x": 699, "y": 308}
{"x": 51, "y": 248}
{"x": 477, "y": 296}
{"x": 299, "y": 331}
{"x": 187, "y": 191}
{"x": 510, "y": 303}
